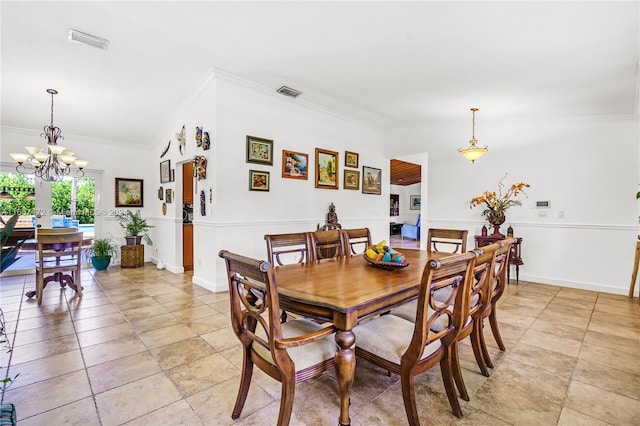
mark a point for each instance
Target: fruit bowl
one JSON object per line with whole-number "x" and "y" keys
{"x": 385, "y": 265}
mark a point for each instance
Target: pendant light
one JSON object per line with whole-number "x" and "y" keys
{"x": 473, "y": 152}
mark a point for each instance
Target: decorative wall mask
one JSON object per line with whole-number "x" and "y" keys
{"x": 200, "y": 167}
{"x": 198, "y": 136}
{"x": 180, "y": 137}
{"x": 203, "y": 207}
{"x": 165, "y": 150}
{"x": 206, "y": 142}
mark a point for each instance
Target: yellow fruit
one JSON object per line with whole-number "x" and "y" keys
{"x": 371, "y": 254}
{"x": 381, "y": 244}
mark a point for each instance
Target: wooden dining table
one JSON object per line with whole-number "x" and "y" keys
{"x": 345, "y": 291}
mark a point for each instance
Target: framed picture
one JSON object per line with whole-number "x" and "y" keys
{"x": 295, "y": 165}
{"x": 326, "y": 169}
{"x": 129, "y": 192}
{"x": 371, "y": 180}
{"x": 161, "y": 193}
{"x": 351, "y": 179}
{"x": 258, "y": 180}
{"x": 169, "y": 195}
{"x": 165, "y": 171}
{"x": 259, "y": 150}
{"x": 351, "y": 159}
{"x": 414, "y": 202}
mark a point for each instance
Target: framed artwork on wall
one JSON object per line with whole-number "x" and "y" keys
{"x": 351, "y": 179}
{"x": 258, "y": 180}
{"x": 351, "y": 159}
{"x": 295, "y": 165}
{"x": 129, "y": 192}
{"x": 169, "y": 196}
{"x": 326, "y": 169}
{"x": 414, "y": 202}
{"x": 259, "y": 150}
{"x": 371, "y": 180}
{"x": 165, "y": 171}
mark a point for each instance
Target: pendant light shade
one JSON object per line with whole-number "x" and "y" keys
{"x": 473, "y": 152}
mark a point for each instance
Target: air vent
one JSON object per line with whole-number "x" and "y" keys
{"x": 89, "y": 39}
{"x": 288, "y": 91}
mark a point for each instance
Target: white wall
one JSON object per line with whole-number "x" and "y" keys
{"x": 586, "y": 167}
{"x": 238, "y": 219}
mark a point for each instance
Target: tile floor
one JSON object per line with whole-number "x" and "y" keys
{"x": 146, "y": 347}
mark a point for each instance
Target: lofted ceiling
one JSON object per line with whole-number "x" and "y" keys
{"x": 403, "y": 173}
{"x": 386, "y": 63}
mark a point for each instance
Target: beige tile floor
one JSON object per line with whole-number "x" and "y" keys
{"x": 147, "y": 347}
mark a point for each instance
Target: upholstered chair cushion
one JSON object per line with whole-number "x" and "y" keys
{"x": 303, "y": 356}
{"x": 388, "y": 337}
{"x": 408, "y": 311}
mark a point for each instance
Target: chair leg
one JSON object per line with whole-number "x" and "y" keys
{"x": 493, "y": 320}
{"x": 476, "y": 344}
{"x": 245, "y": 382}
{"x": 409, "y": 397}
{"x": 39, "y": 286}
{"x": 449, "y": 386}
{"x": 457, "y": 372}
{"x": 286, "y": 401}
{"x": 483, "y": 347}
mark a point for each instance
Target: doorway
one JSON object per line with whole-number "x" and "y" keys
{"x": 187, "y": 216}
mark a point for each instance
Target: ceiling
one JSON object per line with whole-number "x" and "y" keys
{"x": 403, "y": 173}
{"x": 386, "y": 63}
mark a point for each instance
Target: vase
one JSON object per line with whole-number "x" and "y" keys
{"x": 133, "y": 240}
{"x": 496, "y": 219}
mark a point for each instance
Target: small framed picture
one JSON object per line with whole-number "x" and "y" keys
{"x": 326, "y": 169}
{"x": 351, "y": 159}
{"x": 295, "y": 165}
{"x": 258, "y": 180}
{"x": 169, "y": 195}
{"x": 371, "y": 180}
{"x": 129, "y": 192}
{"x": 165, "y": 171}
{"x": 259, "y": 150}
{"x": 161, "y": 193}
{"x": 351, "y": 179}
{"x": 414, "y": 202}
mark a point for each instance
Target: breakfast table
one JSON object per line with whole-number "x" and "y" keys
{"x": 345, "y": 291}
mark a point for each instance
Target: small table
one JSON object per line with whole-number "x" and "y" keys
{"x": 515, "y": 257}
{"x": 395, "y": 228}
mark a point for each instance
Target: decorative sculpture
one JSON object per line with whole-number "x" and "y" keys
{"x": 182, "y": 140}
{"x": 200, "y": 167}
{"x": 332, "y": 220}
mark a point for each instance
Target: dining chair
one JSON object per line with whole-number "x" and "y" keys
{"x": 283, "y": 249}
{"x": 58, "y": 253}
{"x": 453, "y": 240}
{"x": 478, "y": 300}
{"x": 497, "y": 286}
{"x": 326, "y": 244}
{"x": 289, "y": 352}
{"x": 356, "y": 241}
{"x": 410, "y": 348}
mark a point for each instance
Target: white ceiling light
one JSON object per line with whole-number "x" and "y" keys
{"x": 89, "y": 39}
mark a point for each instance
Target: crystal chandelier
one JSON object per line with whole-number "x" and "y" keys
{"x": 474, "y": 151}
{"x": 53, "y": 164}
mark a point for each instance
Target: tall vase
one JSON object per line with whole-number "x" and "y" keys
{"x": 496, "y": 219}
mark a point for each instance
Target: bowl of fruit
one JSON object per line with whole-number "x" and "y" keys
{"x": 383, "y": 256}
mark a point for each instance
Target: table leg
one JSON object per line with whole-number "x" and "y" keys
{"x": 634, "y": 274}
{"x": 345, "y": 371}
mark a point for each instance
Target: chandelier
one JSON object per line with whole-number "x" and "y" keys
{"x": 53, "y": 164}
{"x": 474, "y": 151}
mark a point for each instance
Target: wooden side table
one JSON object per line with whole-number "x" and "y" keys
{"x": 515, "y": 257}
{"x": 132, "y": 256}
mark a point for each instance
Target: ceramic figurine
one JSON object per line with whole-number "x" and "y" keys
{"x": 206, "y": 143}
{"x": 198, "y": 136}
{"x": 203, "y": 208}
{"x": 182, "y": 140}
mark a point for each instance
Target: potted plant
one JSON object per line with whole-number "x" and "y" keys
{"x": 101, "y": 252}
{"x": 136, "y": 228}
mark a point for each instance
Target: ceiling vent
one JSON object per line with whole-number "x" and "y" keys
{"x": 89, "y": 39}
{"x": 288, "y": 91}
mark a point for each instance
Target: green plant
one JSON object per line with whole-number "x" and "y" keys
{"x": 134, "y": 225}
{"x": 102, "y": 247}
{"x": 8, "y": 252}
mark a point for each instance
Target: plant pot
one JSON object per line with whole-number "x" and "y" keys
{"x": 101, "y": 263}
{"x": 133, "y": 240}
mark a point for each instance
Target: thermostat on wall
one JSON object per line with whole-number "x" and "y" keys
{"x": 543, "y": 204}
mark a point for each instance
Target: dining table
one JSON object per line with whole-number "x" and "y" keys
{"x": 346, "y": 291}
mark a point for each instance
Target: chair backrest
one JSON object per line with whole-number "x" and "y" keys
{"x": 418, "y": 221}
{"x": 455, "y": 272}
{"x": 499, "y": 282}
{"x": 453, "y": 240}
{"x": 48, "y": 231}
{"x": 283, "y": 249}
{"x": 326, "y": 244}
{"x": 482, "y": 284}
{"x": 248, "y": 277}
{"x": 356, "y": 241}
{"x": 59, "y": 245}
